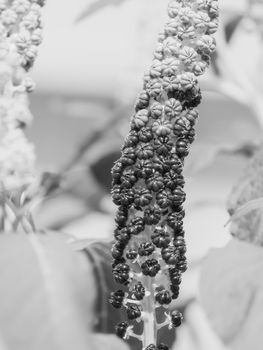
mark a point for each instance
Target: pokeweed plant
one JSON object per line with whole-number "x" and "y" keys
{"x": 149, "y": 248}
{"x": 20, "y": 35}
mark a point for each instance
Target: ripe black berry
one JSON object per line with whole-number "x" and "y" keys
{"x": 128, "y": 156}
{"x": 170, "y": 255}
{"x": 136, "y": 225}
{"x": 121, "y": 273}
{"x": 116, "y": 298}
{"x": 175, "y": 289}
{"x": 146, "y": 249}
{"x": 160, "y": 237}
{"x": 142, "y": 197}
{"x": 151, "y": 347}
{"x": 182, "y": 148}
{"x": 138, "y": 291}
{"x": 121, "y": 329}
{"x": 163, "y": 297}
{"x": 133, "y": 311}
{"x": 131, "y": 254}
{"x": 152, "y": 215}
{"x": 176, "y": 318}
{"x": 150, "y": 267}
{"x": 163, "y": 199}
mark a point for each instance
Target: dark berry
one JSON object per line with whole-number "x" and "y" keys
{"x": 144, "y": 151}
{"x": 116, "y": 298}
{"x": 117, "y": 251}
{"x": 121, "y": 273}
{"x": 182, "y": 266}
{"x": 121, "y": 329}
{"x": 175, "y": 289}
{"x": 128, "y": 179}
{"x": 160, "y": 237}
{"x": 151, "y": 347}
{"x": 182, "y": 148}
{"x": 136, "y": 225}
{"x": 133, "y": 311}
{"x": 139, "y": 291}
{"x": 176, "y": 318}
{"x": 131, "y": 254}
{"x": 118, "y": 261}
{"x": 128, "y": 156}
{"x": 175, "y": 276}
{"x": 179, "y": 243}
{"x": 152, "y": 215}
{"x": 155, "y": 182}
{"x": 121, "y": 216}
{"x": 162, "y": 346}
{"x": 177, "y": 196}
{"x": 132, "y": 139}
{"x": 170, "y": 180}
{"x": 150, "y": 267}
{"x": 116, "y": 172}
{"x": 170, "y": 255}
{"x": 163, "y": 145}
{"x": 121, "y": 196}
{"x": 145, "y": 134}
{"x": 193, "y": 98}
{"x": 122, "y": 236}
{"x": 163, "y": 297}
{"x": 181, "y": 127}
{"x": 142, "y": 197}
{"x": 143, "y": 168}
{"x": 192, "y": 116}
{"x": 191, "y": 135}
{"x": 173, "y": 220}
{"x": 163, "y": 199}
{"x": 146, "y": 249}
{"x": 142, "y": 101}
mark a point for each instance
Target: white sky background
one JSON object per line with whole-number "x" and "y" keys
{"x": 106, "y": 52}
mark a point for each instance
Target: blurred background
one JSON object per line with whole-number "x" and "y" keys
{"x": 88, "y": 73}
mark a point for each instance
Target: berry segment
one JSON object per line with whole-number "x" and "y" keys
{"x": 147, "y": 180}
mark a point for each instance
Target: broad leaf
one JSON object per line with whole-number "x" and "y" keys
{"x": 246, "y": 194}
{"x": 232, "y": 25}
{"x": 232, "y": 294}
{"x": 46, "y": 294}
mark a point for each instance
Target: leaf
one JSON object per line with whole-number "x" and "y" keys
{"x": 96, "y": 6}
{"x": 248, "y": 226}
{"x": 232, "y": 25}
{"x": 231, "y": 291}
{"x": 46, "y": 294}
{"x": 204, "y": 154}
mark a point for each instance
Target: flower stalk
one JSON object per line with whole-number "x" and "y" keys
{"x": 149, "y": 248}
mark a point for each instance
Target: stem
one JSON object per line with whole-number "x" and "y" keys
{"x": 150, "y": 324}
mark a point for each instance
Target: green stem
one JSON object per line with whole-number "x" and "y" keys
{"x": 150, "y": 324}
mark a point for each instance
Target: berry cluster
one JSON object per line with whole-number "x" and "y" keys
{"x": 148, "y": 182}
{"x": 20, "y": 35}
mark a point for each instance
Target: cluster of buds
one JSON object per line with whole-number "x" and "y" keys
{"x": 20, "y": 35}
{"x": 149, "y": 248}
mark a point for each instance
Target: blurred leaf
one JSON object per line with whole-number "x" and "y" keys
{"x": 248, "y": 225}
{"x": 232, "y": 294}
{"x": 205, "y": 153}
{"x": 231, "y": 26}
{"x": 254, "y": 204}
{"x": 96, "y": 6}
{"x": 46, "y": 294}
